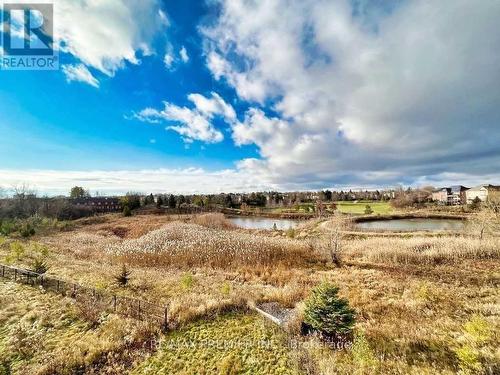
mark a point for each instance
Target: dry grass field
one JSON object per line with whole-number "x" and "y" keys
{"x": 425, "y": 305}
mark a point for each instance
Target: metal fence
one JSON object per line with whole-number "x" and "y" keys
{"x": 130, "y": 307}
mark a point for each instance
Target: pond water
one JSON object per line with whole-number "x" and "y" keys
{"x": 410, "y": 225}
{"x": 252, "y": 222}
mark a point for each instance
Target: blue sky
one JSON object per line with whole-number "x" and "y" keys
{"x": 207, "y": 96}
{"x": 56, "y": 124}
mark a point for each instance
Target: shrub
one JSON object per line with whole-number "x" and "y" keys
{"x": 476, "y": 333}
{"x": 126, "y": 211}
{"x": 124, "y": 276}
{"x": 17, "y": 252}
{"x": 27, "y": 230}
{"x": 468, "y": 360}
{"x": 90, "y": 309}
{"x": 328, "y": 313}
{"x": 40, "y": 266}
{"x": 475, "y": 204}
{"x": 478, "y": 330}
{"x": 6, "y": 227}
{"x": 361, "y": 352}
{"x": 187, "y": 281}
{"x": 230, "y": 365}
{"x": 25, "y": 341}
{"x": 368, "y": 210}
{"x": 226, "y": 289}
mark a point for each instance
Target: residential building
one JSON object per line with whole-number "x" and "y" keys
{"x": 441, "y": 195}
{"x": 99, "y": 204}
{"x": 453, "y": 196}
{"x": 457, "y": 195}
{"x": 484, "y": 193}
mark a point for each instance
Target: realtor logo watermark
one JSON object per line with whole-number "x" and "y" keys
{"x": 27, "y": 37}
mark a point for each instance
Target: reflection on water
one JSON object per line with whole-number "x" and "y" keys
{"x": 409, "y": 225}
{"x": 263, "y": 223}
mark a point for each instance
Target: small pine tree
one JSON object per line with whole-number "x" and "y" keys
{"x": 126, "y": 211}
{"x": 159, "y": 202}
{"x": 326, "y": 312}
{"x": 40, "y": 266}
{"x": 124, "y": 276}
{"x": 368, "y": 210}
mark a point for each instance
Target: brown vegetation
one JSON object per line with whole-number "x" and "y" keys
{"x": 417, "y": 298}
{"x": 189, "y": 245}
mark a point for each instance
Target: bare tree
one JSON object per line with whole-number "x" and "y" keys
{"x": 320, "y": 208}
{"x": 487, "y": 221}
{"x": 333, "y": 241}
{"x": 24, "y": 201}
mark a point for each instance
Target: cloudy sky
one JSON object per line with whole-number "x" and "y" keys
{"x": 233, "y": 95}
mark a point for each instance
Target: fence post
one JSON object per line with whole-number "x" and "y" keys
{"x": 15, "y": 274}
{"x": 114, "y": 302}
{"x": 165, "y": 320}
{"x": 3, "y": 271}
{"x": 139, "y": 311}
{"x": 57, "y": 286}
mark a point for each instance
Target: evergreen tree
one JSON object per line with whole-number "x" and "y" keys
{"x": 171, "y": 201}
{"x": 326, "y": 312}
{"x": 124, "y": 276}
{"x": 159, "y": 202}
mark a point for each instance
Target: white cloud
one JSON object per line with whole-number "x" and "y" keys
{"x": 194, "y": 123}
{"x": 213, "y": 106}
{"x": 168, "y": 60}
{"x": 105, "y": 35}
{"x": 187, "y": 181}
{"x": 183, "y": 181}
{"x": 184, "y": 55}
{"x": 79, "y": 73}
{"x": 412, "y": 90}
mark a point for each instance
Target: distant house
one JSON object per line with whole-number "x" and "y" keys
{"x": 458, "y": 195}
{"x": 441, "y": 195}
{"x": 484, "y": 193}
{"x": 453, "y": 196}
{"x": 99, "y": 204}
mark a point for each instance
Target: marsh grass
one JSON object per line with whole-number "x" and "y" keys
{"x": 213, "y": 220}
{"x": 421, "y": 250}
{"x": 188, "y": 245}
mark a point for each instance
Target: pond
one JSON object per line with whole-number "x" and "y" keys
{"x": 252, "y": 222}
{"x": 411, "y": 225}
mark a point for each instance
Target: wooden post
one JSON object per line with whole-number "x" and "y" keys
{"x": 3, "y": 271}
{"x": 139, "y": 311}
{"x": 15, "y": 274}
{"x": 165, "y": 320}
{"x": 57, "y": 286}
{"x": 114, "y": 302}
